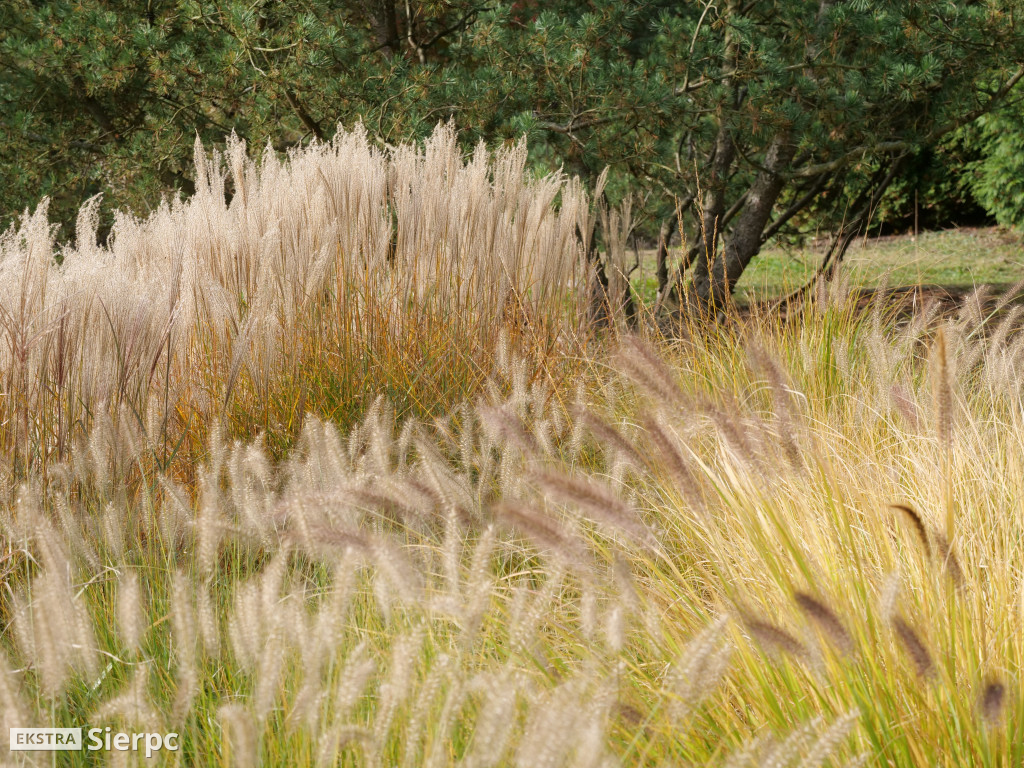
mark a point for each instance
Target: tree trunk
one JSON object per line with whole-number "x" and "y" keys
{"x": 713, "y": 280}
{"x": 668, "y": 229}
{"x": 385, "y": 26}
{"x": 702, "y": 253}
{"x": 714, "y": 198}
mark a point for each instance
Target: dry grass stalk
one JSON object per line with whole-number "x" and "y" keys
{"x": 496, "y": 721}
{"x": 240, "y": 735}
{"x": 608, "y": 437}
{"x": 695, "y": 674}
{"x": 359, "y": 668}
{"x": 397, "y": 686}
{"x": 13, "y": 711}
{"x": 825, "y": 746}
{"x": 131, "y": 611}
{"x": 554, "y": 724}
{"x": 914, "y": 646}
{"x": 826, "y": 620}
{"x": 132, "y": 705}
{"x": 54, "y": 631}
{"x": 782, "y": 395}
{"x": 733, "y": 432}
{"x": 426, "y": 696}
{"x": 942, "y": 549}
{"x": 943, "y": 398}
{"x": 773, "y": 637}
{"x": 439, "y": 754}
{"x": 183, "y": 632}
{"x": 917, "y": 523}
{"x": 598, "y": 501}
{"x": 545, "y": 532}
{"x": 646, "y": 369}
{"x": 906, "y": 406}
{"x": 992, "y": 702}
{"x": 208, "y": 619}
{"x": 669, "y": 456}
{"x": 797, "y": 742}
{"x": 510, "y": 426}
{"x": 950, "y": 563}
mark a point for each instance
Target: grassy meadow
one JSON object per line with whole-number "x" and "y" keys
{"x": 957, "y": 260}
{"x": 309, "y": 493}
{"x": 960, "y": 258}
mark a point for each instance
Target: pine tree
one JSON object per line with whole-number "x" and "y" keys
{"x": 752, "y": 119}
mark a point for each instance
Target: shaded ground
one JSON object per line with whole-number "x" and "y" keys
{"x": 958, "y": 259}
{"x": 950, "y": 262}
{"x": 907, "y": 300}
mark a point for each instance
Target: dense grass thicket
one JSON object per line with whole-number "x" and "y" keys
{"x": 773, "y": 542}
{"x": 280, "y": 288}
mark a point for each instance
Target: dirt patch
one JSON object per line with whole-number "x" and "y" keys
{"x": 904, "y": 301}
{"x": 984, "y": 235}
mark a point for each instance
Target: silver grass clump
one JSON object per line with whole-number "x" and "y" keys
{"x": 131, "y": 611}
{"x": 14, "y": 712}
{"x": 808, "y": 746}
{"x": 119, "y": 325}
{"x": 132, "y": 704}
{"x": 696, "y": 673}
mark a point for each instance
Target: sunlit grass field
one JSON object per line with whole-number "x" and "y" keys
{"x": 310, "y": 494}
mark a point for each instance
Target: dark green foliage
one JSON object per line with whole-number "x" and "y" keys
{"x": 109, "y": 95}
{"x": 756, "y": 119}
{"x": 996, "y": 177}
{"x": 933, "y": 192}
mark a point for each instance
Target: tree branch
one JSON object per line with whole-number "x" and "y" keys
{"x": 993, "y": 101}
{"x": 307, "y": 120}
{"x": 572, "y": 125}
{"x": 839, "y": 162}
{"x": 461, "y": 24}
{"x": 871, "y": 195}
{"x": 796, "y": 206}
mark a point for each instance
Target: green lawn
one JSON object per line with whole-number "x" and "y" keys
{"x": 953, "y": 258}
